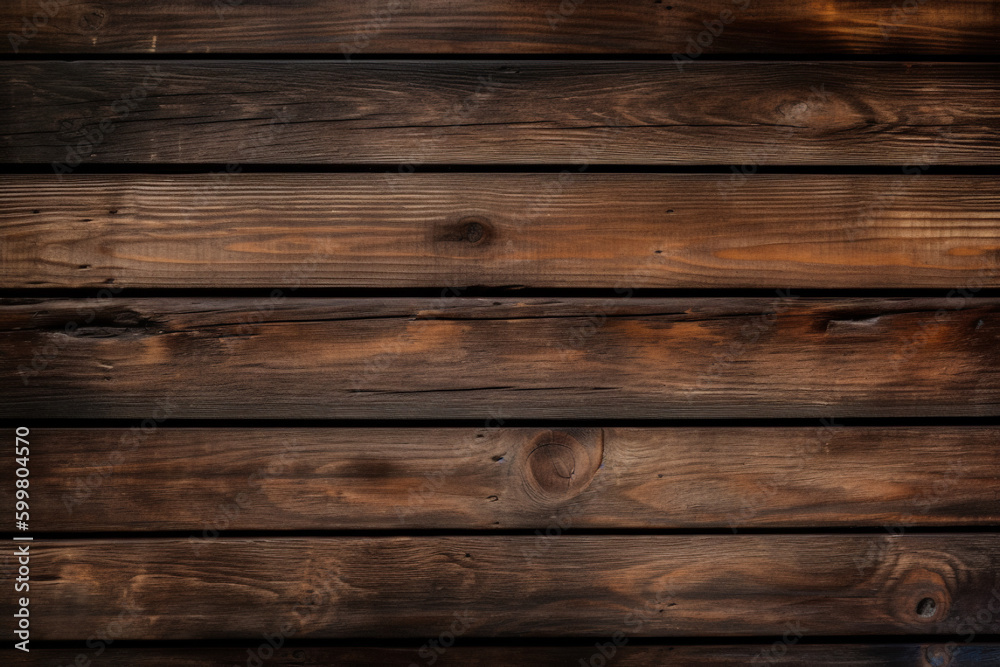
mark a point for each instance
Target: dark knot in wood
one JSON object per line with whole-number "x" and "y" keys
{"x": 557, "y": 465}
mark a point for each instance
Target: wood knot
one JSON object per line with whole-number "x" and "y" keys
{"x": 922, "y": 595}
{"x": 556, "y": 465}
{"x": 939, "y": 655}
{"x": 469, "y": 231}
{"x": 92, "y": 19}
{"x": 473, "y": 231}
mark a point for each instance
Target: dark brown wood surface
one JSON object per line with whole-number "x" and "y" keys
{"x": 780, "y": 653}
{"x": 603, "y": 145}
{"x": 280, "y": 357}
{"x": 515, "y": 586}
{"x": 210, "y": 480}
{"x": 406, "y": 114}
{"x": 365, "y": 27}
{"x": 552, "y": 230}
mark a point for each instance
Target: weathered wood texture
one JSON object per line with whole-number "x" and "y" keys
{"x": 516, "y": 586}
{"x": 412, "y": 113}
{"x": 506, "y": 26}
{"x": 793, "y": 653}
{"x": 538, "y": 230}
{"x": 493, "y": 359}
{"x": 207, "y": 480}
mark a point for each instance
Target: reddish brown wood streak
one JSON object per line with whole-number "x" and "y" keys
{"x": 536, "y": 230}
{"x": 478, "y": 358}
{"x": 512, "y": 586}
{"x": 407, "y": 114}
{"x": 369, "y": 27}
{"x": 207, "y": 480}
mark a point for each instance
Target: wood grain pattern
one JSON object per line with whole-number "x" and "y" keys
{"x": 504, "y": 26}
{"x": 209, "y": 480}
{"x": 406, "y": 114}
{"x": 954, "y": 654}
{"x": 280, "y": 357}
{"x": 537, "y": 230}
{"x": 485, "y": 586}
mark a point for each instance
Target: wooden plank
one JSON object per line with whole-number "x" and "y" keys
{"x": 505, "y": 26}
{"x": 209, "y": 480}
{"x": 497, "y": 586}
{"x": 954, "y": 654}
{"x": 280, "y": 357}
{"x": 537, "y": 230}
{"x": 406, "y": 114}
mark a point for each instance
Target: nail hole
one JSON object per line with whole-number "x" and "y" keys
{"x": 36, "y": 211}
{"x": 926, "y": 608}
